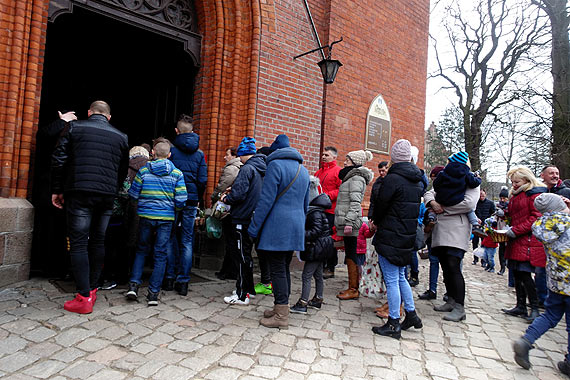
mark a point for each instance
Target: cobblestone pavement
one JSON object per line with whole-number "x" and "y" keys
{"x": 200, "y": 337}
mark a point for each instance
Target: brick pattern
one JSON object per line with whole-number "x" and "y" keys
{"x": 23, "y": 25}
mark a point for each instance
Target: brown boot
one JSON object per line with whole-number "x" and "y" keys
{"x": 280, "y": 319}
{"x": 269, "y": 313}
{"x": 352, "y": 291}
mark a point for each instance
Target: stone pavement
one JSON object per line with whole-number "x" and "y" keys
{"x": 200, "y": 337}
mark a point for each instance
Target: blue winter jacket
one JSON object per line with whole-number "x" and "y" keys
{"x": 280, "y": 226}
{"x": 451, "y": 183}
{"x": 246, "y": 189}
{"x": 190, "y": 160}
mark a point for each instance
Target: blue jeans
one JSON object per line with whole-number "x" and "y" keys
{"x": 433, "y": 270}
{"x": 490, "y": 256}
{"x": 540, "y": 282}
{"x": 88, "y": 215}
{"x": 180, "y": 249}
{"x": 147, "y": 228}
{"x": 556, "y": 305}
{"x": 397, "y": 287}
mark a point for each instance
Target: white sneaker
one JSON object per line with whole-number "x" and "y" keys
{"x": 252, "y": 296}
{"x": 234, "y": 300}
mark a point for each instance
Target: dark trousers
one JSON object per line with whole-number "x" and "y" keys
{"x": 279, "y": 262}
{"x": 333, "y": 260}
{"x": 475, "y": 243}
{"x": 450, "y": 261}
{"x": 525, "y": 287}
{"x": 312, "y": 269}
{"x": 117, "y": 261}
{"x": 350, "y": 247}
{"x": 264, "y": 268}
{"x": 243, "y": 261}
{"x": 229, "y": 268}
{"x": 88, "y": 215}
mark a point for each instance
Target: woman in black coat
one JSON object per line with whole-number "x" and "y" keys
{"x": 396, "y": 211}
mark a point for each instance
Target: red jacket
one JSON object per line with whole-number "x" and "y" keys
{"x": 489, "y": 243}
{"x": 328, "y": 177}
{"x": 363, "y": 233}
{"x": 525, "y": 247}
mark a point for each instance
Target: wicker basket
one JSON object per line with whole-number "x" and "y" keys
{"x": 498, "y": 237}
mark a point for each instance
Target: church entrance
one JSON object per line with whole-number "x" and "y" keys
{"x": 146, "y": 75}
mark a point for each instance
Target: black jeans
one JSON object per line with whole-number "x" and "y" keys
{"x": 502, "y": 249}
{"x": 279, "y": 262}
{"x": 264, "y": 268}
{"x": 331, "y": 261}
{"x": 350, "y": 247}
{"x": 450, "y": 261}
{"x": 229, "y": 268}
{"x": 525, "y": 287}
{"x": 243, "y": 261}
{"x": 475, "y": 243}
{"x": 88, "y": 215}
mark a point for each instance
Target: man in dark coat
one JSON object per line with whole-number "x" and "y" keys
{"x": 243, "y": 198}
{"x": 190, "y": 160}
{"x": 550, "y": 175}
{"x": 484, "y": 209}
{"x": 89, "y": 163}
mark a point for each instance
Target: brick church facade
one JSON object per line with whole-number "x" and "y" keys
{"x": 228, "y": 63}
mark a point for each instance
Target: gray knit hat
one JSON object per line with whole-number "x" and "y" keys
{"x": 360, "y": 157}
{"x": 401, "y": 151}
{"x": 548, "y": 202}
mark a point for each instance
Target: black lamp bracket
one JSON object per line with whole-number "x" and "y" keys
{"x": 320, "y": 48}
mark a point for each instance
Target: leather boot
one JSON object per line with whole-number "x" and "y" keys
{"x": 382, "y": 311}
{"x": 520, "y": 310}
{"x": 534, "y": 313}
{"x": 278, "y": 320}
{"x": 447, "y": 306}
{"x": 455, "y": 315}
{"x": 413, "y": 281}
{"x": 392, "y": 329}
{"x": 411, "y": 319}
{"x": 352, "y": 291}
{"x": 269, "y": 313}
{"x": 521, "y": 347}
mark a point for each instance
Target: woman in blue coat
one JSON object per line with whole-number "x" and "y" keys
{"x": 278, "y": 223}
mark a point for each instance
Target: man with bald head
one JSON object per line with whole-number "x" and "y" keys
{"x": 88, "y": 164}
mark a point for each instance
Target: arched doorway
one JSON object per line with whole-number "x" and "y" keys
{"x": 142, "y": 65}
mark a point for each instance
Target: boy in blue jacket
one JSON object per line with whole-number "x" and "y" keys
{"x": 160, "y": 190}
{"x": 243, "y": 198}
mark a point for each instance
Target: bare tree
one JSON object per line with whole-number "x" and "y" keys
{"x": 445, "y": 138}
{"x": 487, "y": 47}
{"x": 557, "y": 12}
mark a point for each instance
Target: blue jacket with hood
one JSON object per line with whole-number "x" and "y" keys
{"x": 280, "y": 226}
{"x": 190, "y": 160}
{"x": 246, "y": 189}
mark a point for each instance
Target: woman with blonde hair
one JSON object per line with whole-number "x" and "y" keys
{"x": 524, "y": 252}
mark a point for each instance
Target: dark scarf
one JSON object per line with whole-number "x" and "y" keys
{"x": 344, "y": 171}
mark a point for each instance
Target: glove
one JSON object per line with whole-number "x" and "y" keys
{"x": 500, "y": 213}
{"x": 347, "y": 230}
{"x": 510, "y": 233}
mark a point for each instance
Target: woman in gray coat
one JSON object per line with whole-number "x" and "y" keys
{"x": 348, "y": 212}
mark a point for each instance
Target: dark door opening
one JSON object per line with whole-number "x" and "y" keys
{"x": 147, "y": 78}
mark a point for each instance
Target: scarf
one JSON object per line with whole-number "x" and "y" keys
{"x": 344, "y": 171}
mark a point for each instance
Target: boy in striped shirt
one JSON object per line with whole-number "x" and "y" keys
{"x": 160, "y": 190}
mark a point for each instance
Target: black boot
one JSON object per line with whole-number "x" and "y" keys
{"x": 168, "y": 284}
{"x": 534, "y": 313}
{"x": 521, "y": 347}
{"x": 411, "y": 319}
{"x": 501, "y": 272}
{"x": 392, "y": 329}
{"x": 181, "y": 288}
{"x": 414, "y": 279}
{"x": 519, "y": 310}
{"x": 564, "y": 367}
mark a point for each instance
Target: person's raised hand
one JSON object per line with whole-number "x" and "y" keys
{"x": 68, "y": 116}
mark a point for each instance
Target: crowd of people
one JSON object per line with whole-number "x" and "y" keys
{"x": 277, "y": 210}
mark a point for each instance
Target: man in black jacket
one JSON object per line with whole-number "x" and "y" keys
{"x": 550, "y": 175}
{"x": 88, "y": 164}
{"x": 484, "y": 209}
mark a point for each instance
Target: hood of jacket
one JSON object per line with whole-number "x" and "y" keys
{"x": 536, "y": 190}
{"x": 160, "y": 167}
{"x": 234, "y": 162}
{"x": 321, "y": 201}
{"x": 137, "y": 162}
{"x": 456, "y": 169}
{"x": 187, "y": 142}
{"x": 258, "y": 162}
{"x": 406, "y": 170}
{"x": 285, "y": 154}
{"x": 362, "y": 171}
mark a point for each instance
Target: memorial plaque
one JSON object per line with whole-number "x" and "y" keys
{"x": 378, "y": 127}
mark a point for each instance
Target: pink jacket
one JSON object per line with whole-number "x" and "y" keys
{"x": 363, "y": 233}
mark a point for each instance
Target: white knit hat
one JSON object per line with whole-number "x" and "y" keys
{"x": 360, "y": 157}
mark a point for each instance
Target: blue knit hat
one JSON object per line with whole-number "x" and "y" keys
{"x": 460, "y": 157}
{"x": 246, "y": 147}
{"x": 281, "y": 141}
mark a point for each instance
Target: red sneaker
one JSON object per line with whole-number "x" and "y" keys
{"x": 80, "y": 304}
{"x": 93, "y": 295}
